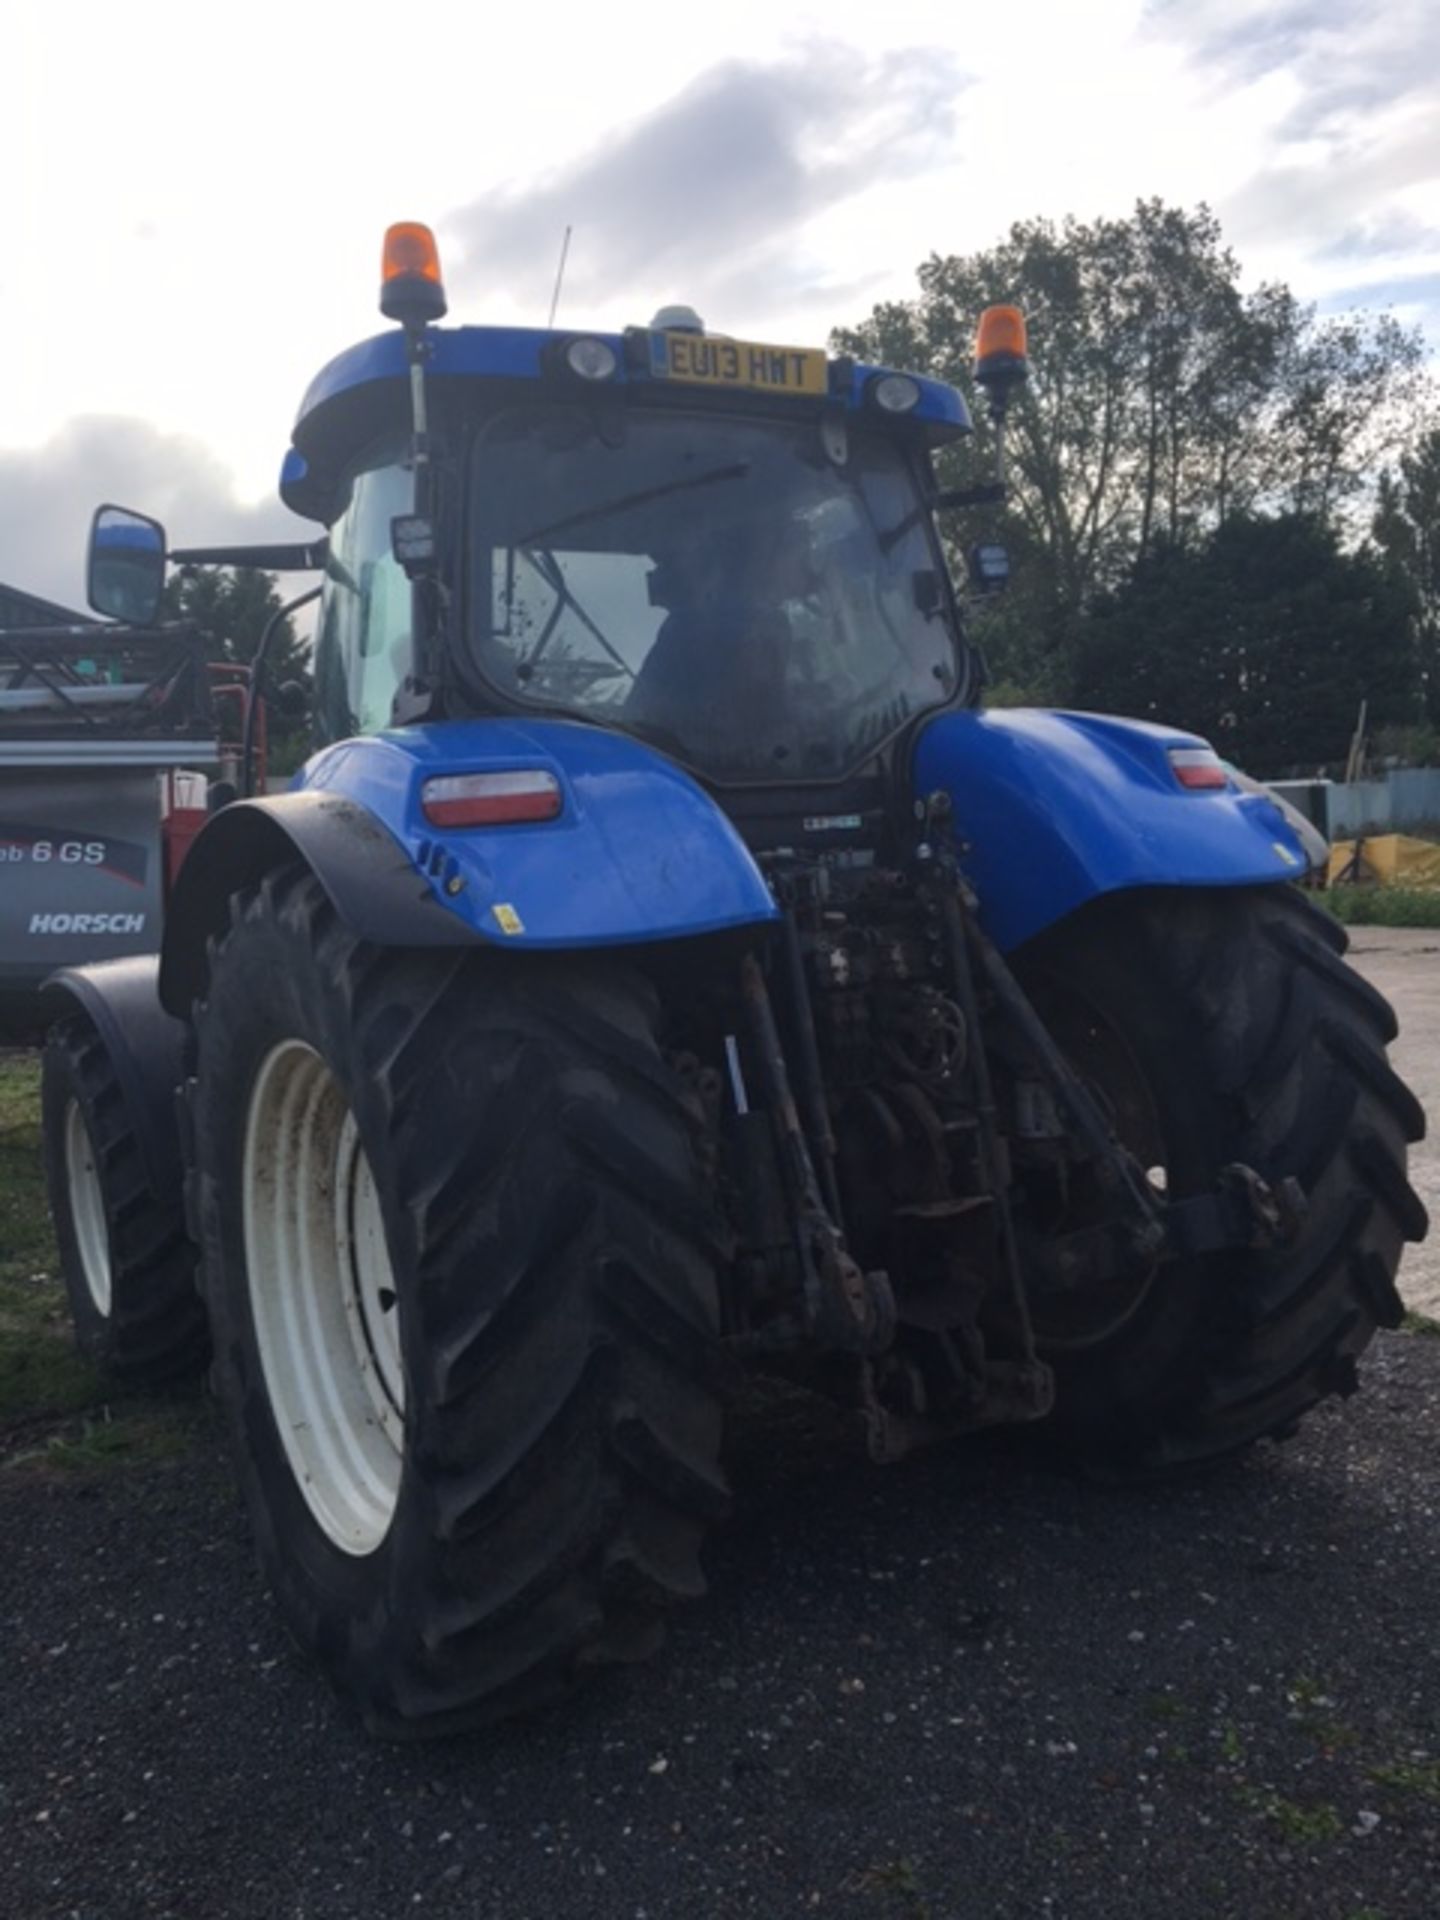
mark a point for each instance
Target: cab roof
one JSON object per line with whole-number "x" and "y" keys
{"x": 356, "y": 393}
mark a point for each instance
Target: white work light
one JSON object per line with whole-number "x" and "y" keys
{"x": 591, "y": 359}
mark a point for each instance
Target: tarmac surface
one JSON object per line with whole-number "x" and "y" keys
{"x": 964, "y": 1688}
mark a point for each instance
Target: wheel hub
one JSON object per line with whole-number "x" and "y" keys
{"x": 322, "y": 1297}
{"x": 87, "y": 1207}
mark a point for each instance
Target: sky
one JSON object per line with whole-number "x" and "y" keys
{"x": 194, "y": 198}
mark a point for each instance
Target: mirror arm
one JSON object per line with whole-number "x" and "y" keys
{"x": 103, "y": 632}
{"x": 257, "y": 684}
{"x": 992, "y": 495}
{"x": 292, "y": 557}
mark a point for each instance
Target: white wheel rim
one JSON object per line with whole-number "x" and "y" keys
{"x": 87, "y": 1208}
{"x": 322, "y": 1297}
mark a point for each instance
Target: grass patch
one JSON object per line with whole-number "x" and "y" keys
{"x": 54, "y": 1406}
{"x": 41, "y": 1374}
{"x": 1422, "y": 1324}
{"x": 897, "y": 1883}
{"x": 1381, "y": 906}
{"x": 26, "y": 1244}
{"x": 1421, "y": 1778}
{"x": 1304, "y": 1826}
{"x": 1167, "y": 1706}
{"x": 132, "y": 1433}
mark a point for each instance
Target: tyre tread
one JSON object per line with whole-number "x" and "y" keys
{"x": 565, "y": 1445}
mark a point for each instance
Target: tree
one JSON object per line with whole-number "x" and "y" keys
{"x": 1407, "y": 531}
{"x": 1164, "y": 400}
{"x": 232, "y": 607}
{"x": 1348, "y": 393}
{"x": 1264, "y": 638}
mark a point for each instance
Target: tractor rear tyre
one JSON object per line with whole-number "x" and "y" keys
{"x": 1218, "y": 1027}
{"x": 459, "y": 1257}
{"x": 128, "y": 1266}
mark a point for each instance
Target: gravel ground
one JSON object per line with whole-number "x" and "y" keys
{"x": 1404, "y": 963}
{"x": 963, "y": 1687}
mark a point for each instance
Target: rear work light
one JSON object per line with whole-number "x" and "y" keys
{"x": 1198, "y": 768}
{"x": 591, "y": 359}
{"x": 896, "y": 393}
{"x": 490, "y": 799}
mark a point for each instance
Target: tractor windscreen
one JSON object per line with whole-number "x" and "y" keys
{"x": 715, "y": 585}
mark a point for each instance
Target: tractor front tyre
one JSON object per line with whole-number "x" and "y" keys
{"x": 1215, "y": 1028}
{"x": 460, "y": 1261}
{"x": 127, "y": 1264}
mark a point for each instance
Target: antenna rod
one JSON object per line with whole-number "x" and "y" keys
{"x": 559, "y": 278}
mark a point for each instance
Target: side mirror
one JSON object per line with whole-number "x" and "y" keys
{"x": 125, "y": 565}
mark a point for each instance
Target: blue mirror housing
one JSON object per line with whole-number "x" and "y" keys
{"x": 125, "y": 565}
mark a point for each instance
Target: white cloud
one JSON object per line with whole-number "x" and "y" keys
{"x": 1344, "y": 198}
{"x": 195, "y": 231}
{"x": 709, "y": 198}
{"x": 48, "y": 493}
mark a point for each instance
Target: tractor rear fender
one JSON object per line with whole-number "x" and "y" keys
{"x": 637, "y": 853}
{"x": 1054, "y": 809}
{"x": 121, "y": 1000}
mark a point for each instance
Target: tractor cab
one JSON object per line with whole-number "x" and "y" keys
{"x": 722, "y": 549}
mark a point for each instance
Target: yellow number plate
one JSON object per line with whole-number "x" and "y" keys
{"x": 703, "y": 361}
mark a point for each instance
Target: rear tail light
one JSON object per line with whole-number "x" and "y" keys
{"x": 490, "y": 799}
{"x": 1198, "y": 768}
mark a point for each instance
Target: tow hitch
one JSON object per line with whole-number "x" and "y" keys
{"x": 1242, "y": 1212}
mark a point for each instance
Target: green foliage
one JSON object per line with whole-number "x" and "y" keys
{"x": 1007, "y": 693}
{"x": 55, "y": 1411}
{"x": 897, "y": 1885}
{"x": 1418, "y": 1777}
{"x": 1407, "y": 530}
{"x": 1301, "y": 1825}
{"x": 1166, "y": 402}
{"x": 1410, "y": 746}
{"x": 1264, "y": 636}
{"x": 131, "y": 1433}
{"x": 1382, "y": 906}
{"x": 40, "y": 1373}
{"x": 26, "y": 1245}
{"x": 231, "y": 607}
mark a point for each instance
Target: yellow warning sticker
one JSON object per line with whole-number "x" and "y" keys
{"x": 506, "y": 917}
{"x": 1290, "y": 859}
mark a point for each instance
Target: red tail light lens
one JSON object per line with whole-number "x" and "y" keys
{"x": 1198, "y": 768}
{"x": 490, "y": 799}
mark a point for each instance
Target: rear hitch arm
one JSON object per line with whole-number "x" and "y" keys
{"x": 844, "y": 1308}
{"x": 1242, "y": 1210}
{"x": 1122, "y": 1175}
{"x": 1241, "y": 1213}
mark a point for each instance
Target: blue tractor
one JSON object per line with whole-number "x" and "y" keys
{"x": 664, "y": 970}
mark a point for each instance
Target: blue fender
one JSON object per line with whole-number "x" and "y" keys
{"x": 146, "y": 1048}
{"x": 639, "y": 852}
{"x": 1054, "y": 809}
